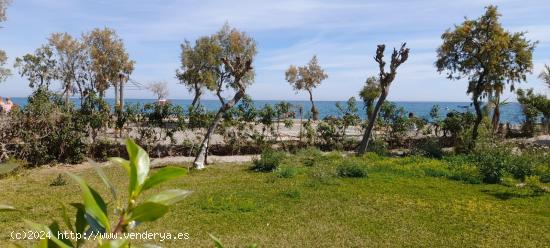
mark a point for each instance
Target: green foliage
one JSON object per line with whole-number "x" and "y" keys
{"x": 369, "y": 93}
{"x": 431, "y": 147}
{"x": 395, "y": 121}
{"x": 269, "y": 161}
{"x": 462, "y": 169}
{"x": 49, "y": 130}
{"x": 378, "y": 146}
{"x": 93, "y": 215}
{"x": 533, "y": 106}
{"x": 533, "y": 183}
{"x": 59, "y": 181}
{"x": 286, "y": 171}
{"x": 486, "y": 55}
{"x": 310, "y": 156}
{"x": 351, "y": 168}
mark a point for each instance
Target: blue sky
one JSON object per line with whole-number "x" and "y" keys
{"x": 343, "y": 34}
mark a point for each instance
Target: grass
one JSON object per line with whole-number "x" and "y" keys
{"x": 402, "y": 202}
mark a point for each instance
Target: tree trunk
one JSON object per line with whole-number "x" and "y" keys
{"x": 372, "y": 119}
{"x": 479, "y": 118}
{"x": 200, "y": 159}
{"x": 496, "y": 114}
{"x": 314, "y": 112}
{"x": 121, "y": 94}
{"x": 117, "y": 102}
{"x": 196, "y": 99}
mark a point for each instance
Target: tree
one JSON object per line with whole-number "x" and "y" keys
{"x": 385, "y": 79}
{"x": 39, "y": 68}
{"x": 233, "y": 69}
{"x": 196, "y": 71}
{"x": 369, "y": 93}
{"x": 159, "y": 88}
{"x": 307, "y": 78}
{"x": 108, "y": 59}
{"x": 488, "y": 56}
{"x": 4, "y": 72}
{"x": 3, "y": 6}
{"x": 545, "y": 75}
{"x": 70, "y": 55}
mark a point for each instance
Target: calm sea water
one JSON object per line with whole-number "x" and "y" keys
{"x": 510, "y": 112}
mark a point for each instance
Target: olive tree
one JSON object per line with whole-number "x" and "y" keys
{"x": 108, "y": 59}
{"x": 197, "y": 72}
{"x": 70, "y": 55}
{"x": 384, "y": 80}
{"x": 159, "y": 88}
{"x": 233, "y": 70}
{"x": 487, "y": 56}
{"x": 38, "y": 67}
{"x": 307, "y": 78}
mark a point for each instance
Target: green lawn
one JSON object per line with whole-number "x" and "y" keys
{"x": 396, "y": 205}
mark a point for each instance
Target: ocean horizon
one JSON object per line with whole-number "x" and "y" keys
{"x": 510, "y": 112}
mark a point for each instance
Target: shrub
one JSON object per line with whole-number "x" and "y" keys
{"x": 491, "y": 166}
{"x": 430, "y": 148}
{"x": 378, "y": 146}
{"x": 49, "y": 130}
{"x": 543, "y": 171}
{"x": 286, "y": 172}
{"x": 533, "y": 183}
{"x": 59, "y": 181}
{"x": 310, "y": 156}
{"x": 521, "y": 166}
{"x": 466, "y": 173}
{"x": 351, "y": 169}
{"x": 269, "y": 161}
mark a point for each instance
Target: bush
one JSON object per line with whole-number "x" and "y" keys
{"x": 378, "y": 146}
{"x": 430, "y": 148}
{"x": 49, "y": 130}
{"x": 59, "y": 181}
{"x": 351, "y": 169}
{"x": 543, "y": 171}
{"x": 269, "y": 161}
{"x": 310, "y": 156}
{"x": 286, "y": 172}
{"x": 533, "y": 183}
{"x": 461, "y": 170}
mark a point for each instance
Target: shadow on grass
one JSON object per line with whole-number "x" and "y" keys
{"x": 507, "y": 194}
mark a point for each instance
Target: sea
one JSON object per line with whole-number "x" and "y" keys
{"x": 510, "y": 112}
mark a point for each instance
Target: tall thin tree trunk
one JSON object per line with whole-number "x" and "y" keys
{"x": 479, "y": 118}
{"x": 121, "y": 94}
{"x": 117, "y": 102}
{"x": 314, "y": 112}
{"x": 496, "y": 114}
{"x": 196, "y": 99}
{"x": 372, "y": 119}
{"x": 200, "y": 159}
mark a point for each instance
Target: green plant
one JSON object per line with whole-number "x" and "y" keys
{"x": 533, "y": 183}
{"x": 92, "y": 216}
{"x": 431, "y": 147}
{"x": 378, "y": 146}
{"x": 269, "y": 161}
{"x": 59, "y": 181}
{"x": 351, "y": 169}
{"x": 286, "y": 172}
